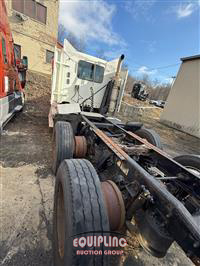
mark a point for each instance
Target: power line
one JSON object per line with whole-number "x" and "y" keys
{"x": 161, "y": 67}
{"x": 166, "y": 66}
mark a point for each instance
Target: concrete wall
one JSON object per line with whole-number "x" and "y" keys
{"x": 35, "y": 37}
{"x": 137, "y": 113}
{"x": 182, "y": 110}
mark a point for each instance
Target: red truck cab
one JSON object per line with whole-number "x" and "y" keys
{"x": 12, "y": 73}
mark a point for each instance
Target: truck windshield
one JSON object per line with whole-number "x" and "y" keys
{"x": 89, "y": 71}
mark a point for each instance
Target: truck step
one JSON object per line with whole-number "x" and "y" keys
{"x": 18, "y": 108}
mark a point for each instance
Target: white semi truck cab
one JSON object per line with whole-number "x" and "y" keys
{"x": 81, "y": 82}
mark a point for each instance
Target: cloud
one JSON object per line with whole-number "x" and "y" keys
{"x": 140, "y": 8}
{"x": 185, "y": 10}
{"x": 143, "y": 70}
{"x": 90, "y": 20}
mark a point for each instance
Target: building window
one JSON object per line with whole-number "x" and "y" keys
{"x": 18, "y": 5}
{"x": 17, "y": 49}
{"x": 41, "y": 13}
{"x": 4, "y": 51}
{"x": 49, "y": 56}
{"x": 31, "y": 8}
{"x": 89, "y": 71}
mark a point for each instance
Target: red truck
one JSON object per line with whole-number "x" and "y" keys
{"x": 12, "y": 72}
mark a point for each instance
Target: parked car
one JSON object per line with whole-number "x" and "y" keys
{"x": 152, "y": 101}
{"x": 160, "y": 103}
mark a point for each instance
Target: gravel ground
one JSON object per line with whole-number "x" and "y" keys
{"x": 27, "y": 186}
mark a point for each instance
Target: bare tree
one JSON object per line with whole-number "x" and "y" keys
{"x": 146, "y": 80}
{"x": 165, "y": 92}
{"x": 78, "y": 43}
{"x": 160, "y": 92}
{"x": 129, "y": 84}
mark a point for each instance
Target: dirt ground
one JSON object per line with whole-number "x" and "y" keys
{"x": 27, "y": 187}
{"x": 174, "y": 141}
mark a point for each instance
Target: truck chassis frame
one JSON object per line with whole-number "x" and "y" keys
{"x": 161, "y": 194}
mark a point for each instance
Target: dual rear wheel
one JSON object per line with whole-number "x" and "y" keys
{"x": 63, "y": 143}
{"x": 78, "y": 208}
{"x": 79, "y": 205}
{"x": 66, "y": 145}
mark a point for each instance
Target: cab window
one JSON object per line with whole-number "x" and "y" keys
{"x": 99, "y": 72}
{"x": 4, "y": 51}
{"x": 85, "y": 70}
{"x": 89, "y": 71}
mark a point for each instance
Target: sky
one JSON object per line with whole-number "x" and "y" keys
{"x": 152, "y": 34}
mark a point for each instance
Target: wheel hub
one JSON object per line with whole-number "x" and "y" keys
{"x": 114, "y": 204}
{"x": 80, "y": 147}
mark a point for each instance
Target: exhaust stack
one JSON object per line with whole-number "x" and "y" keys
{"x": 115, "y": 90}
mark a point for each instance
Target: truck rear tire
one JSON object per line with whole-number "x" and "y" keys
{"x": 192, "y": 162}
{"x": 63, "y": 143}
{"x": 151, "y": 136}
{"x": 133, "y": 126}
{"x": 78, "y": 209}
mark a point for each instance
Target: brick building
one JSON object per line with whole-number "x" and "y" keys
{"x": 34, "y": 25}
